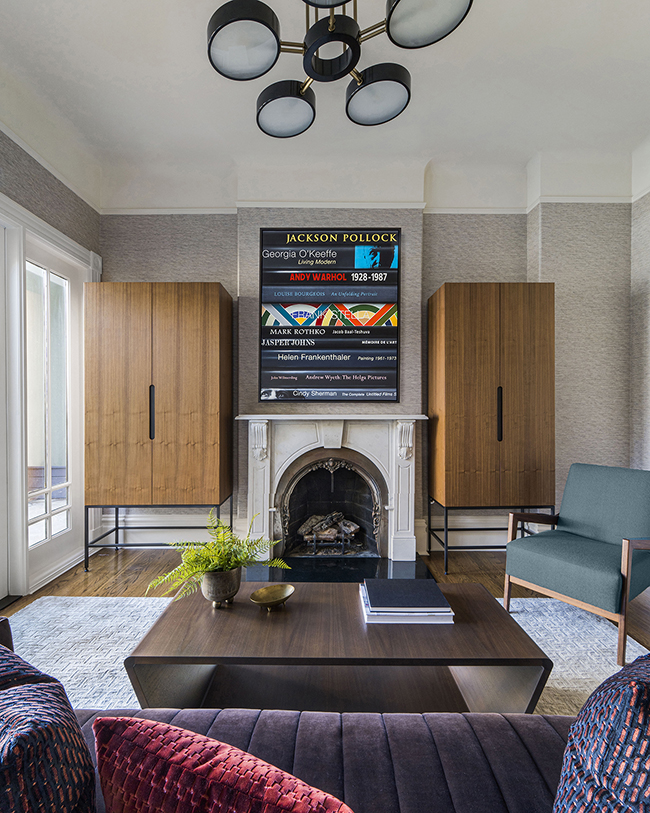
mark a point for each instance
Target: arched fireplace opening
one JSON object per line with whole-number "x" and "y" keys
{"x": 340, "y": 495}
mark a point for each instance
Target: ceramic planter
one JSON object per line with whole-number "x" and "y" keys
{"x": 221, "y": 585}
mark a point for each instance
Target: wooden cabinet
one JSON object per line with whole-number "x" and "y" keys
{"x": 492, "y": 395}
{"x": 158, "y": 388}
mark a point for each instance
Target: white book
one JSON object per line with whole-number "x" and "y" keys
{"x": 371, "y": 617}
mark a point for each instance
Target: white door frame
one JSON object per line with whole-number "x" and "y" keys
{"x": 18, "y": 222}
{"x": 4, "y": 536}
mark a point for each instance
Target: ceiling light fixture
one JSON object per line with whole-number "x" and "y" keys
{"x": 244, "y": 43}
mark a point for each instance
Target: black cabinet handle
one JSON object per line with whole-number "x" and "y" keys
{"x": 499, "y": 413}
{"x": 152, "y": 412}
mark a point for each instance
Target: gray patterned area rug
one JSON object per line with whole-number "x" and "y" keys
{"x": 84, "y": 641}
{"x": 582, "y": 647}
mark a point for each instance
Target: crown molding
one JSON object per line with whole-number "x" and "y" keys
{"x": 579, "y": 199}
{"x": 329, "y": 204}
{"x": 636, "y": 197}
{"x": 488, "y": 210}
{"x": 184, "y": 211}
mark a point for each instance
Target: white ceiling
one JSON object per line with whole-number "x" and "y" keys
{"x": 517, "y": 78}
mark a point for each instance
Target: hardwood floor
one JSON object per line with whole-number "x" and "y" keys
{"x": 482, "y": 567}
{"x": 128, "y": 572}
{"x": 112, "y": 573}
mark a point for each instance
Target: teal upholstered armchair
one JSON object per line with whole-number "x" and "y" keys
{"x": 598, "y": 556}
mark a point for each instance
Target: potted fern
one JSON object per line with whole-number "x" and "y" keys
{"x": 215, "y": 566}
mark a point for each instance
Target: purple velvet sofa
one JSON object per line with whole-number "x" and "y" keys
{"x": 393, "y": 763}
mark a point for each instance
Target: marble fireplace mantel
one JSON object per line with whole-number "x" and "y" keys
{"x": 276, "y": 442}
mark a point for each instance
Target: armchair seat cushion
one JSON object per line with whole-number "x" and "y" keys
{"x": 582, "y": 568}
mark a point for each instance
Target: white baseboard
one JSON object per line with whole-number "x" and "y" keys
{"x": 460, "y": 534}
{"x": 42, "y": 579}
{"x": 157, "y": 533}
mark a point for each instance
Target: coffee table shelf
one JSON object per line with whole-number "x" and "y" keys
{"x": 318, "y": 654}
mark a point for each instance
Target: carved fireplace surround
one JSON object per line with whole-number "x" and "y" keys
{"x": 278, "y": 444}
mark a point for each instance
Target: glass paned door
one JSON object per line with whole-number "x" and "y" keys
{"x": 47, "y": 374}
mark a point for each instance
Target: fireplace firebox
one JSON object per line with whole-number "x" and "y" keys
{"x": 331, "y": 507}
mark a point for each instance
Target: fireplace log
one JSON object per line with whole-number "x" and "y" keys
{"x": 328, "y": 529}
{"x": 328, "y": 535}
{"x": 307, "y": 525}
{"x": 331, "y": 519}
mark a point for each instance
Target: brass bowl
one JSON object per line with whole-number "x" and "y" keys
{"x": 274, "y": 595}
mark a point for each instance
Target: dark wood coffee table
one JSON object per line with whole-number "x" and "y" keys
{"x": 317, "y": 653}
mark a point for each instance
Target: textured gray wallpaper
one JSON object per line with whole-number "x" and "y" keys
{"x": 472, "y": 248}
{"x": 584, "y": 248}
{"x": 532, "y": 244}
{"x": 24, "y": 180}
{"x": 170, "y": 248}
{"x": 640, "y": 335}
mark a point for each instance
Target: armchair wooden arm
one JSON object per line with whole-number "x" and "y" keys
{"x": 515, "y": 518}
{"x": 628, "y": 548}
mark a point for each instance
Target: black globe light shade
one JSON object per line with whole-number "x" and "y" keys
{"x": 345, "y": 31}
{"x": 286, "y": 109}
{"x": 243, "y": 39}
{"x": 325, "y": 3}
{"x": 417, "y": 23}
{"x": 384, "y": 92}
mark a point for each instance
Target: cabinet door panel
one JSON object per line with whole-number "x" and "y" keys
{"x": 186, "y": 373}
{"x": 117, "y": 378}
{"x": 528, "y": 381}
{"x": 471, "y": 380}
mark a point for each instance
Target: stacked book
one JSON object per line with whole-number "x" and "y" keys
{"x": 404, "y": 601}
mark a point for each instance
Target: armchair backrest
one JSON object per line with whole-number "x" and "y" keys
{"x": 606, "y": 503}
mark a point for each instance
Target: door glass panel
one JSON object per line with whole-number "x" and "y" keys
{"x": 37, "y": 532}
{"x": 36, "y": 284}
{"x": 37, "y": 506}
{"x": 60, "y": 522}
{"x": 58, "y": 378}
{"x": 59, "y": 498}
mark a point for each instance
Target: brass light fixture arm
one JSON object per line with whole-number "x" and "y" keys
{"x": 372, "y": 31}
{"x": 292, "y": 47}
{"x": 381, "y": 24}
{"x": 357, "y": 76}
{"x": 305, "y": 85}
